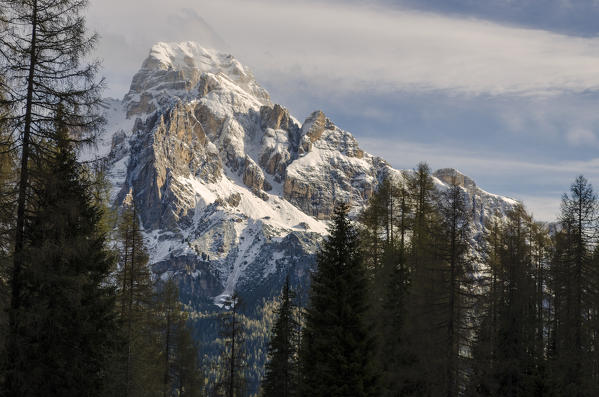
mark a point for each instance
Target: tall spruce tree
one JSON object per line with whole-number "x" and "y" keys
{"x": 66, "y": 319}
{"x": 280, "y": 378}
{"x": 338, "y": 344}
{"x": 42, "y": 47}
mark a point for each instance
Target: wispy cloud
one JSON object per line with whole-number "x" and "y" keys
{"x": 354, "y": 48}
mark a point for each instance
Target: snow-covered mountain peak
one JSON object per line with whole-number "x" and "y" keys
{"x": 186, "y": 70}
{"x": 233, "y": 192}
{"x": 190, "y": 55}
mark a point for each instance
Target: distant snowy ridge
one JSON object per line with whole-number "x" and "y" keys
{"x": 232, "y": 191}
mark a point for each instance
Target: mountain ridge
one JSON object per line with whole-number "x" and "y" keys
{"x": 233, "y": 191}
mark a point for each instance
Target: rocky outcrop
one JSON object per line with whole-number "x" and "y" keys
{"x": 451, "y": 176}
{"x": 181, "y": 144}
{"x": 276, "y": 118}
{"x": 208, "y": 83}
{"x": 143, "y": 105}
{"x": 330, "y": 169}
{"x": 253, "y": 177}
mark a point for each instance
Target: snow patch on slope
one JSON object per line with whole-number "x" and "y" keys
{"x": 274, "y": 211}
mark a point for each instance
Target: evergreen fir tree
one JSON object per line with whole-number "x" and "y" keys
{"x": 280, "y": 379}
{"x": 66, "y": 320}
{"x": 338, "y": 344}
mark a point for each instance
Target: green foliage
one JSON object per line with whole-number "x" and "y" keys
{"x": 42, "y": 46}
{"x": 66, "y": 320}
{"x": 337, "y": 343}
{"x": 282, "y": 372}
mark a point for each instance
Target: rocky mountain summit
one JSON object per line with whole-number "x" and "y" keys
{"x": 232, "y": 191}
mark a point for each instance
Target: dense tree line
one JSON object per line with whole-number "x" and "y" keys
{"x": 426, "y": 305}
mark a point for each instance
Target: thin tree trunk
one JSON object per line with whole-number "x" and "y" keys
{"x": 130, "y": 319}
{"x": 167, "y": 347}
{"x": 15, "y": 302}
{"x": 232, "y": 362}
{"x": 451, "y": 323}
{"x": 126, "y": 249}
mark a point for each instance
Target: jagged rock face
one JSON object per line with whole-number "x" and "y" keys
{"x": 331, "y": 168}
{"x": 232, "y": 191}
{"x": 451, "y": 176}
{"x": 280, "y": 140}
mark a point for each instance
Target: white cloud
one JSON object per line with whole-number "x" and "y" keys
{"x": 352, "y": 48}
{"x": 581, "y": 137}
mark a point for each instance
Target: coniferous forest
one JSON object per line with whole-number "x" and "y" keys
{"x": 402, "y": 300}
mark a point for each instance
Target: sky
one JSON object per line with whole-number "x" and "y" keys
{"x": 506, "y": 91}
